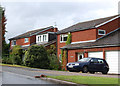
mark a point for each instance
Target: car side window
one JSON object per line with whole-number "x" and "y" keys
{"x": 94, "y": 60}
{"x": 100, "y": 61}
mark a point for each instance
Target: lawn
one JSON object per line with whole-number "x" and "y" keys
{"x": 89, "y": 80}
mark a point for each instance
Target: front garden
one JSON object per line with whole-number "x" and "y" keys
{"x": 35, "y": 57}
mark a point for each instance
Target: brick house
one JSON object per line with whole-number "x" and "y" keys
{"x": 44, "y": 36}
{"x": 90, "y": 39}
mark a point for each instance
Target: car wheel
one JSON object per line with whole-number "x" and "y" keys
{"x": 92, "y": 72}
{"x": 85, "y": 69}
{"x": 105, "y": 71}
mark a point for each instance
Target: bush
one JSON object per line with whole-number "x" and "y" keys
{"x": 36, "y": 56}
{"x": 17, "y": 55}
{"x": 54, "y": 62}
{"x": 7, "y": 60}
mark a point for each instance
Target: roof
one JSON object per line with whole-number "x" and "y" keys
{"x": 30, "y": 33}
{"x": 86, "y": 25}
{"x": 111, "y": 39}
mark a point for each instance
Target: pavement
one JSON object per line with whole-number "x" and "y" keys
{"x": 36, "y": 72}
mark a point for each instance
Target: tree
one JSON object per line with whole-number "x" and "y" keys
{"x": 36, "y": 56}
{"x": 5, "y": 46}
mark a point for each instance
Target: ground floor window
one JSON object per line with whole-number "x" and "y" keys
{"x": 60, "y": 57}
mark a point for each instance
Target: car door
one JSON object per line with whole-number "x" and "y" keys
{"x": 93, "y": 64}
{"x": 100, "y": 65}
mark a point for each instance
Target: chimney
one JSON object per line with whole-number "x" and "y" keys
{"x": 55, "y": 29}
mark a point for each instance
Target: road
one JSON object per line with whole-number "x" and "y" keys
{"x": 36, "y": 72}
{"x": 12, "y": 78}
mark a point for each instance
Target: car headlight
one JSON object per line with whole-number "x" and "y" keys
{"x": 76, "y": 64}
{"x": 67, "y": 64}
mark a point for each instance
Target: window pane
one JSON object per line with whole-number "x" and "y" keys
{"x": 101, "y": 32}
{"x": 26, "y": 39}
{"x": 43, "y": 37}
{"x": 61, "y": 38}
{"x": 38, "y": 38}
{"x": 65, "y": 39}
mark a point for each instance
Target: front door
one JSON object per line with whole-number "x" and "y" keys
{"x": 80, "y": 56}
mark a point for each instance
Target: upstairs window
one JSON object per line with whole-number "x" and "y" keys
{"x": 14, "y": 42}
{"x": 63, "y": 38}
{"x": 44, "y": 38}
{"x": 26, "y": 40}
{"x": 101, "y": 32}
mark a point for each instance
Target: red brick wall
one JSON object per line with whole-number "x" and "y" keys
{"x": 76, "y": 37}
{"x": 72, "y": 53}
{"x": 84, "y": 35}
{"x": 21, "y": 42}
{"x": 109, "y": 26}
{"x": 59, "y": 45}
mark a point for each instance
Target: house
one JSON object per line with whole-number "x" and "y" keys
{"x": 44, "y": 36}
{"x": 86, "y": 42}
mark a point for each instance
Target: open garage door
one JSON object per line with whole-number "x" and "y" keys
{"x": 112, "y": 60}
{"x": 95, "y": 54}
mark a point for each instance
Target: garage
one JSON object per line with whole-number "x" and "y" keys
{"x": 112, "y": 60}
{"x": 95, "y": 54}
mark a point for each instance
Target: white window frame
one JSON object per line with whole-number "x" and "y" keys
{"x": 13, "y": 42}
{"x": 27, "y": 40}
{"x": 63, "y": 35}
{"x": 101, "y": 30}
{"x": 42, "y": 38}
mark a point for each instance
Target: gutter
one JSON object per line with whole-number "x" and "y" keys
{"x": 85, "y": 47}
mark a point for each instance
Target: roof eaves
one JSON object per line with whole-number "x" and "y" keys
{"x": 95, "y": 46}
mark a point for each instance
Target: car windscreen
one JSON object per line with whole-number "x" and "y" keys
{"x": 84, "y": 60}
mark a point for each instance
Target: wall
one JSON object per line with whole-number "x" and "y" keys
{"x": 84, "y": 35}
{"x": 85, "y": 51}
{"x": 21, "y": 42}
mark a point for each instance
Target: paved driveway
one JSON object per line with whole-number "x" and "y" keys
{"x": 34, "y": 72}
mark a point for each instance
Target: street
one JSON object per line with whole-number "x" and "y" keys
{"x": 12, "y": 78}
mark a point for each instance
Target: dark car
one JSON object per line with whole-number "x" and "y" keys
{"x": 91, "y": 65}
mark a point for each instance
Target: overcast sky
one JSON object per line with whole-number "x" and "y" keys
{"x": 26, "y": 16}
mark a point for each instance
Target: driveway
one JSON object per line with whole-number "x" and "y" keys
{"x": 35, "y": 72}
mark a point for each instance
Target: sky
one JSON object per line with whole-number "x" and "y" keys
{"x": 24, "y": 15}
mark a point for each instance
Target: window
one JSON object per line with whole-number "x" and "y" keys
{"x": 100, "y": 61}
{"x": 40, "y": 38}
{"x": 44, "y": 37}
{"x": 26, "y": 40}
{"x": 101, "y": 32}
{"x": 60, "y": 58}
{"x": 14, "y": 42}
{"x": 94, "y": 60}
{"x": 63, "y": 38}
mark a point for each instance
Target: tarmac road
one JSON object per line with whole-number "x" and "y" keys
{"x": 36, "y": 72}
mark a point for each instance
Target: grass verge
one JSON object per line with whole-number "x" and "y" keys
{"x": 89, "y": 80}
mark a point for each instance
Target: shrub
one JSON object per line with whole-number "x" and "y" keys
{"x": 36, "y": 56}
{"x": 7, "y": 60}
{"x": 54, "y": 62}
{"x": 17, "y": 55}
